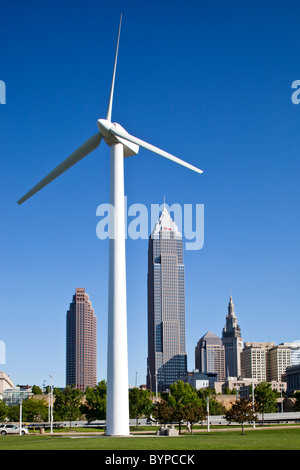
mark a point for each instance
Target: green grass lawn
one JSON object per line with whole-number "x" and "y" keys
{"x": 267, "y": 439}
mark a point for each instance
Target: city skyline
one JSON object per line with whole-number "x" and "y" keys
{"x": 222, "y": 95}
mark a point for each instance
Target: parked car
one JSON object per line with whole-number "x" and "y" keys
{"x": 12, "y": 429}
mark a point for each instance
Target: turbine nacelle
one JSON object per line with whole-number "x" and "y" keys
{"x": 110, "y": 129}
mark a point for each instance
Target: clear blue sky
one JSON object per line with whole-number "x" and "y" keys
{"x": 209, "y": 82}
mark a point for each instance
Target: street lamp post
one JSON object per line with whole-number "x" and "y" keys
{"x": 253, "y": 407}
{"x": 20, "y": 426}
{"x": 207, "y": 409}
{"x": 51, "y": 406}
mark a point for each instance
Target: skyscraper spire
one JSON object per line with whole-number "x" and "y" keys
{"x": 231, "y": 312}
{"x": 166, "y": 226}
{"x": 232, "y": 340}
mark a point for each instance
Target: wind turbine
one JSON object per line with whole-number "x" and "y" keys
{"x": 122, "y": 145}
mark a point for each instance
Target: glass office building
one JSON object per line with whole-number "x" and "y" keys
{"x": 167, "y": 360}
{"x": 210, "y": 355}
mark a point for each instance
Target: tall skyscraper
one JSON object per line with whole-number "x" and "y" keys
{"x": 210, "y": 355}
{"x": 167, "y": 360}
{"x": 233, "y": 343}
{"x": 81, "y": 363}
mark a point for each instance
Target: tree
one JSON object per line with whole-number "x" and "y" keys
{"x": 229, "y": 391}
{"x": 241, "y": 412}
{"x": 95, "y": 403}
{"x": 163, "y": 412}
{"x": 297, "y": 403}
{"x": 194, "y": 412}
{"x": 181, "y": 394}
{"x": 67, "y": 403}
{"x": 36, "y": 390}
{"x": 3, "y": 410}
{"x": 265, "y": 399}
{"x": 13, "y": 413}
{"x": 139, "y": 403}
{"x": 215, "y": 407}
{"x": 34, "y": 410}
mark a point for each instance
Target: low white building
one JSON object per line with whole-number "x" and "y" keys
{"x": 5, "y": 382}
{"x": 199, "y": 380}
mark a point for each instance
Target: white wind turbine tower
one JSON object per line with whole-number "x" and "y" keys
{"x": 122, "y": 145}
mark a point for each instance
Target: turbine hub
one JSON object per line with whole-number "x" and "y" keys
{"x": 105, "y": 126}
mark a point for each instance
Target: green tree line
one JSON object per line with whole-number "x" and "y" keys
{"x": 181, "y": 404}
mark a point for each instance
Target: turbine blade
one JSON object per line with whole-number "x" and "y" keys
{"x": 109, "y": 109}
{"x": 89, "y": 145}
{"x": 154, "y": 149}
